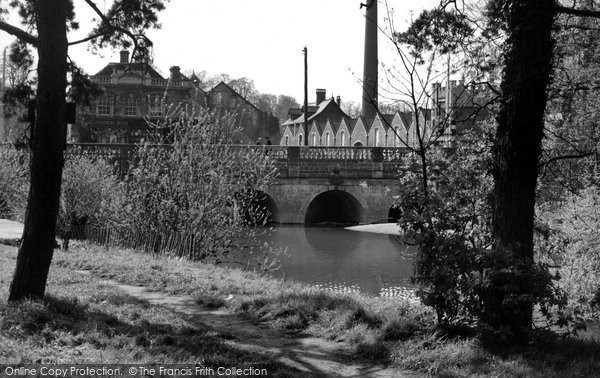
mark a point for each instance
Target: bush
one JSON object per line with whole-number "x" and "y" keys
{"x": 570, "y": 242}
{"x": 466, "y": 281}
{"x": 195, "y": 185}
{"x": 91, "y": 195}
{"x": 14, "y": 182}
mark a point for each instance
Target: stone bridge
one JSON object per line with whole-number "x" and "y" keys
{"x": 318, "y": 185}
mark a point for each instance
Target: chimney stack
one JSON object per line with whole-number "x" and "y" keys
{"x": 175, "y": 73}
{"x": 371, "y": 62}
{"x": 124, "y": 56}
{"x": 320, "y": 96}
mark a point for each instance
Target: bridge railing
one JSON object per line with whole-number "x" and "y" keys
{"x": 294, "y": 153}
{"x": 375, "y": 154}
{"x": 290, "y": 161}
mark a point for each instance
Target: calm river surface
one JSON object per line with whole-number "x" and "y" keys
{"x": 342, "y": 260}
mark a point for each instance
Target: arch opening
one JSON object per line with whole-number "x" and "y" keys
{"x": 256, "y": 208}
{"x": 358, "y": 144}
{"x": 394, "y": 214}
{"x": 334, "y": 207}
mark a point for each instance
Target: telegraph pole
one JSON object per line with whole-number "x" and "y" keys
{"x": 305, "y": 50}
{"x": 4, "y": 69}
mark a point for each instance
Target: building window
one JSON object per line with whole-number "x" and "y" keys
{"x": 327, "y": 139}
{"x": 377, "y": 138}
{"x": 343, "y": 138}
{"x": 287, "y": 140}
{"x": 104, "y": 106}
{"x": 397, "y": 138}
{"x": 314, "y": 139}
{"x": 300, "y": 141}
{"x": 131, "y": 107}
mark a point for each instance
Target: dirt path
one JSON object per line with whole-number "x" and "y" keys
{"x": 312, "y": 355}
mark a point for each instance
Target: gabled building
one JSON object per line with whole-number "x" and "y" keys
{"x": 328, "y": 125}
{"x": 252, "y": 122}
{"x": 135, "y": 94}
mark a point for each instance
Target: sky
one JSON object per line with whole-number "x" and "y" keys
{"x": 263, "y": 40}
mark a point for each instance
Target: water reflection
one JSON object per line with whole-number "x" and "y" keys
{"x": 345, "y": 261}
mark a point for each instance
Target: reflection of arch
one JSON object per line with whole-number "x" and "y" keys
{"x": 343, "y": 244}
{"x": 334, "y": 207}
{"x": 394, "y": 214}
{"x": 358, "y": 144}
{"x": 257, "y": 207}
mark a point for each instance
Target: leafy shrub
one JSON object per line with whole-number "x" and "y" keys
{"x": 570, "y": 242}
{"x": 461, "y": 276}
{"x": 14, "y": 182}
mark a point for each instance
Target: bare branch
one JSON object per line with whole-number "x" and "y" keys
{"x": 89, "y": 38}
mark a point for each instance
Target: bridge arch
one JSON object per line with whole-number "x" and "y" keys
{"x": 334, "y": 207}
{"x": 394, "y": 213}
{"x": 257, "y": 207}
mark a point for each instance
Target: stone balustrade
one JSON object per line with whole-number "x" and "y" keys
{"x": 291, "y": 161}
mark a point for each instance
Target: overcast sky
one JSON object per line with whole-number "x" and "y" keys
{"x": 263, "y": 40}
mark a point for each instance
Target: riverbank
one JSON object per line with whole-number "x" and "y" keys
{"x": 84, "y": 320}
{"x": 10, "y": 232}
{"x": 379, "y": 228}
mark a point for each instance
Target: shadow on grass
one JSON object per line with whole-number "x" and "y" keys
{"x": 573, "y": 355}
{"x": 66, "y": 322}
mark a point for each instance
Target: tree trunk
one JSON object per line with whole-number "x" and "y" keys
{"x": 35, "y": 252}
{"x": 518, "y": 147}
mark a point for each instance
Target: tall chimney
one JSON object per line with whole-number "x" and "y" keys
{"x": 371, "y": 64}
{"x": 124, "y": 56}
{"x": 321, "y": 96}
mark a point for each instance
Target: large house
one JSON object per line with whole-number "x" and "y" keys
{"x": 135, "y": 94}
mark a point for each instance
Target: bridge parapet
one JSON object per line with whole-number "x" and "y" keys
{"x": 291, "y": 161}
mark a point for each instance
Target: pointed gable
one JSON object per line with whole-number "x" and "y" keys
{"x": 377, "y": 132}
{"x": 314, "y": 134}
{"x": 342, "y": 135}
{"x": 397, "y": 133}
{"x": 359, "y": 132}
{"x": 328, "y": 136}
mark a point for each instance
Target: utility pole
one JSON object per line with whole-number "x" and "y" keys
{"x": 305, "y": 96}
{"x": 448, "y": 98}
{"x": 4, "y": 70}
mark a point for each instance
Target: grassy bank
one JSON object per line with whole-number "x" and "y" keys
{"x": 83, "y": 321}
{"x": 387, "y": 331}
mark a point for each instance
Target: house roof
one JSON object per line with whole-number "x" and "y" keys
{"x": 288, "y": 122}
{"x": 324, "y": 105}
{"x": 406, "y": 118}
{"x": 367, "y": 122}
{"x": 301, "y": 118}
{"x": 145, "y": 68}
{"x": 228, "y": 88}
{"x": 388, "y": 119}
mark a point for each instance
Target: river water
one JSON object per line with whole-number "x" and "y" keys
{"x": 340, "y": 260}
